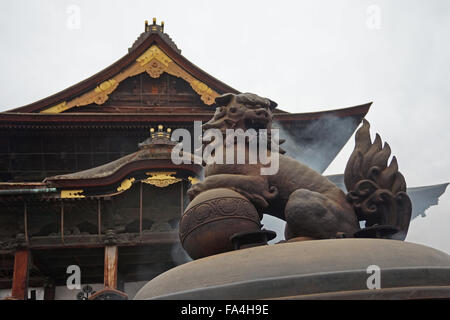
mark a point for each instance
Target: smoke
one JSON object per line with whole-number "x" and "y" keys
{"x": 179, "y": 255}
{"x": 274, "y": 224}
{"x": 317, "y": 143}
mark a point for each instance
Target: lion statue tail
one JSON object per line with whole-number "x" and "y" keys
{"x": 376, "y": 190}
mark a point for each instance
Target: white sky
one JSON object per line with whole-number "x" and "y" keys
{"x": 306, "y": 55}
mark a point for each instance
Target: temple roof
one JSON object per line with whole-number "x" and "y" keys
{"x": 153, "y": 52}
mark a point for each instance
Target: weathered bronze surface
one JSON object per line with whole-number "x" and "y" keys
{"x": 312, "y": 206}
{"x": 333, "y": 269}
{"x": 212, "y": 218}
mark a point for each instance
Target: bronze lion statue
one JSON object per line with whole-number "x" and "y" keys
{"x": 311, "y": 205}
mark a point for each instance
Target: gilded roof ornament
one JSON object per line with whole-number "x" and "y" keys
{"x": 126, "y": 184}
{"x": 193, "y": 180}
{"x": 72, "y": 194}
{"x": 161, "y": 179}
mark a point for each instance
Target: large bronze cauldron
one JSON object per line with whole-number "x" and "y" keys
{"x": 212, "y": 218}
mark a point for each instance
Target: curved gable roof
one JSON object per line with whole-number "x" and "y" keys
{"x": 146, "y": 47}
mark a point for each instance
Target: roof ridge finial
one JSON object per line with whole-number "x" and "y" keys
{"x": 158, "y": 136}
{"x": 154, "y": 26}
{"x": 160, "y": 133}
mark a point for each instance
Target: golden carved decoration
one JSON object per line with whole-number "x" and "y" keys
{"x": 57, "y": 108}
{"x": 70, "y": 194}
{"x": 126, "y": 184}
{"x": 154, "y": 53}
{"x": 104, "y": 89}
{"x": 161, "y": 179}
{"x": 153, "y": 61}
{"x": 193, "y": 180}
{"x": 155, "y": 69}
{"x": 98, "y": 96}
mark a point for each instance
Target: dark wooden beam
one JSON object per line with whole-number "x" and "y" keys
{"x": 94, "y": 241}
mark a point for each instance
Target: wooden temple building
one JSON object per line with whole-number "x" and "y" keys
{"x": 86, "y": 177}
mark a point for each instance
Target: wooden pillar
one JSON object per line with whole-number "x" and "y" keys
{"x": 20, "y": 275}
{"x": 99, "y": 217}
{"x": 110, "y": 292}
{"x": 62, "y": 222}
{"x": 110, "y": 272}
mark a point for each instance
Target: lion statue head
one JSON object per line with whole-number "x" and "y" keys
{"x": 241, "y": 111}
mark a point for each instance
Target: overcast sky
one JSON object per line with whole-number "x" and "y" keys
{"x": 306, "y": 55}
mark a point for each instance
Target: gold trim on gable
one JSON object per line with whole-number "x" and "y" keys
{"x": 154, "y": 53}
{"x": 153, "y": 61}
{"x": 57, "y": 108}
